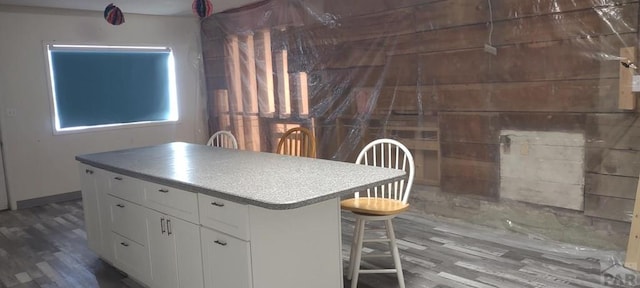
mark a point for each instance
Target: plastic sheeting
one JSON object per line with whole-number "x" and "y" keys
{"x": 515, "y": 104}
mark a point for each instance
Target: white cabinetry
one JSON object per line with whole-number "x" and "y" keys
{"x": 227, "y": 261}
{"x": 174, "y": 250}
{"x": 128, "y": 226}
{"x": 91, "y": 207}
{"x": 167, "y": 237}
{"x": 226, "y": 251}
{"x": 94, "y": 183}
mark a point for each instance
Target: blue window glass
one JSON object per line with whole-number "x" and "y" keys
{"x": 102, "y": 86}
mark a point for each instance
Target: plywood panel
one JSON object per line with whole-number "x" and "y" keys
{"x": 608, "y": 207}
{"x": 562, "y": 195}
{"x": 543, "y": 168}
{"x": 611, "y": 185}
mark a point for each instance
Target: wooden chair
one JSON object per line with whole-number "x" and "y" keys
{"x": 298, "y": 141}
{"x": 381, "y": 203}
{"x": 223, "y": 139}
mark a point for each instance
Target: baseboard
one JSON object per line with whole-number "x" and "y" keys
{"x": 22, "y": 204}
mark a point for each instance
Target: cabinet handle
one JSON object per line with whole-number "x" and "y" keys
{"x": 120, "y": 205}
{"x": 169, "y": 227}
{"x": 118, "y": 178}
{"x": 162, "y": 225}
{"x": 88, "y": 171}
{"x": 217, "y": 204}
{"x": 124, "y": 244}
{"x": 164, "y": 190}
{"x": 221, "y": 243}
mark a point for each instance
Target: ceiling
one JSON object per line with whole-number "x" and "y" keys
{"x": 150, "y": 7}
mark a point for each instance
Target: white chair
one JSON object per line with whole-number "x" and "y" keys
{"x": 381, "y": 203}
{"x": 223, "y": 139}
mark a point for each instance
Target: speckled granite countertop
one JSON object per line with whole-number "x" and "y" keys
{"x": 262, "y": 179}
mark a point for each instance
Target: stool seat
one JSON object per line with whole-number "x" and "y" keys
{"x": 374, "y": 206}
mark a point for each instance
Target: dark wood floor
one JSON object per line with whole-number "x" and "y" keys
{"x": 46, "y": 247}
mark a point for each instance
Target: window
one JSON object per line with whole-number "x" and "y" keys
{"x": 102, "y": 86}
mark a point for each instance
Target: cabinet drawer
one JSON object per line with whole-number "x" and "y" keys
{"x": 125, "y": 187}
{"x": 132, "y": 258}
{"x": 225, "y": 216}
{"x": 175, "y": 202}
{"x": 127, "y": 219}
{"x": 226, "y": 260}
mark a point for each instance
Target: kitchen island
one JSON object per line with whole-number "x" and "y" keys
{"x": 188, "y": 215}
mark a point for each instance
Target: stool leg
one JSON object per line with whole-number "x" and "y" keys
{"x": 358, "y": 255}
{"x": 354, "y": 241}
{"x": 394, "y": 251}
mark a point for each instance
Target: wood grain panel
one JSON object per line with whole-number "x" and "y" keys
{"x": 527, "y": 62}
{"x": 611, "y": 185}
{"x": 462, "y": 176}
{"x": 471, "y": 151}
{"x": 545, "y": 96}
{"x": 452, "y": 13}
{"x": 470, "y": 169}
{"x": 608, "y": 207}
{"x": 216, "y": 83}
{"x": 213, "y": 48}
{"x": 470, "y": 127}
{"x": 369, "y": 26}
{"x": 543, "y": 121}
{"x": 405, "y": 100}
{"x": 341, "y": 8}
{"x": 357, "y": 54}
{"x": 215, "y": 66}
{"x": 339, "y": 78}
{"x": 612, "y": 162}
{"x": 467, "y": 186}
{"x": 616, "y": 130}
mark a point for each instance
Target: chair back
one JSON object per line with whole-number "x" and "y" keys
{"x": 389, "y": 153}
{"x": 223, "y": 139}
{"x": 298, "y": 141}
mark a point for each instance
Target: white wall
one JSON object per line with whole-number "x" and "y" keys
{"x": 39, "y": 163}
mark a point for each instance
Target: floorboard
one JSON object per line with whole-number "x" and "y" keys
{"x": 46, "y": 247}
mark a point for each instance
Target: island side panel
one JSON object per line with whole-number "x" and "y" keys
{"x": 297, "y": 247}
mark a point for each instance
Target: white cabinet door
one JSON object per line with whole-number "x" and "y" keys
{"x": 226, "y": 260}
{"x": 91, "y": 207}
{"x": 131, "y": 257}
{"x": 162, "y": 251}
{"x": 127, "y": 219}
{"x": 174, "y": 250}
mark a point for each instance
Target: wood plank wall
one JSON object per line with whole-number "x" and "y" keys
{"x": 555, "y": 70}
